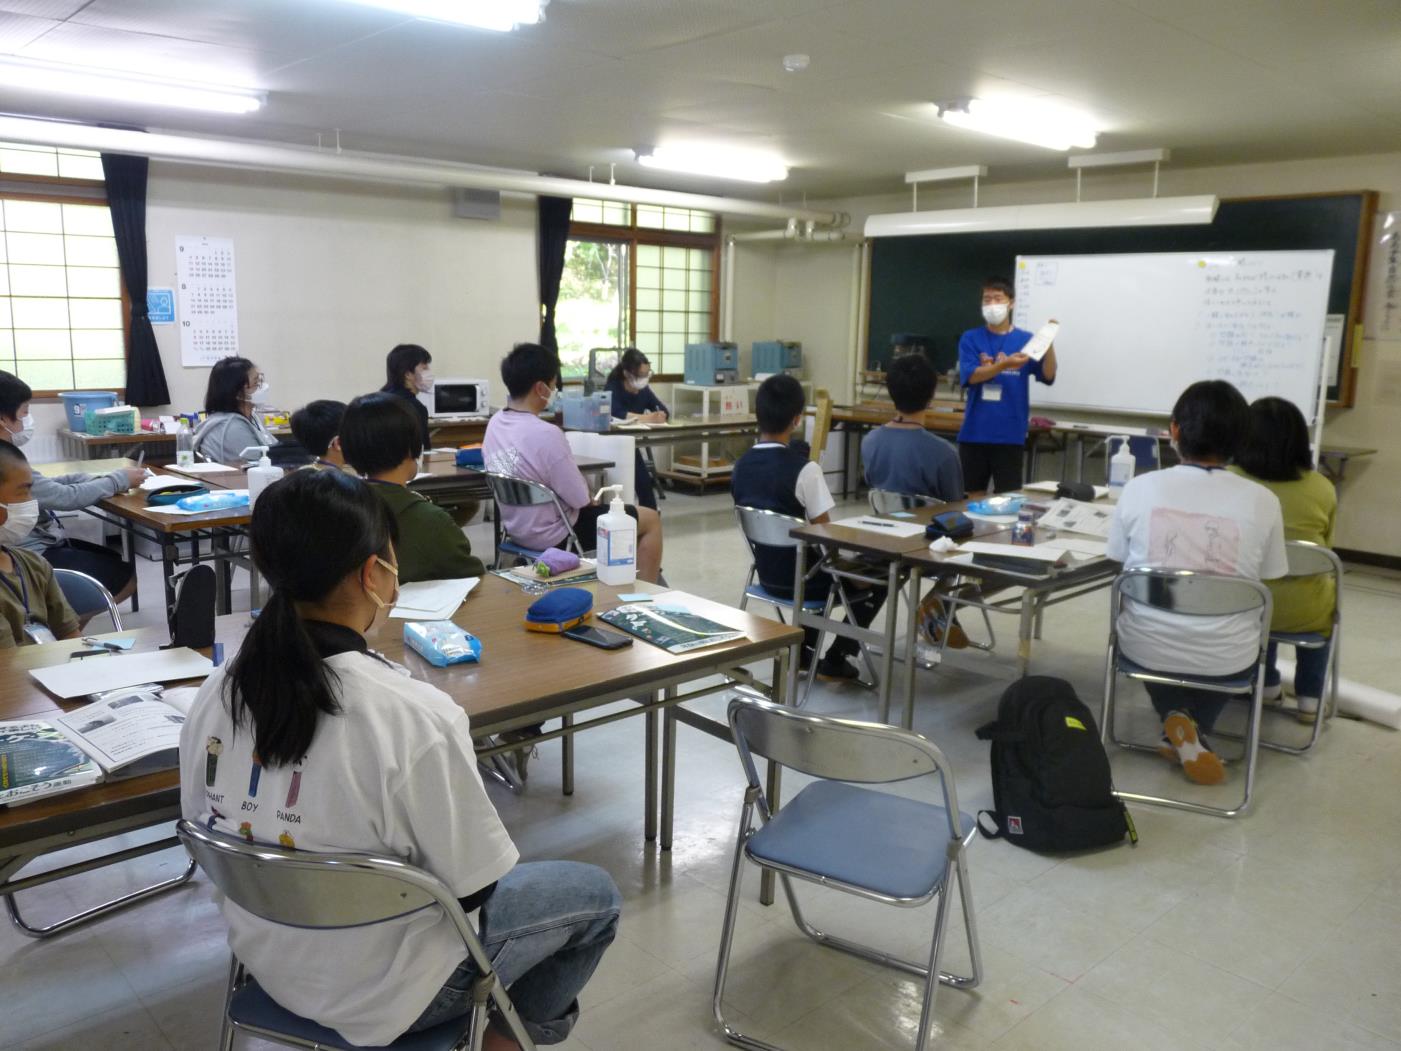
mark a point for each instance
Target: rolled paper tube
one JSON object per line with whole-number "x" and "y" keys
{"x": 1358, "y": 699}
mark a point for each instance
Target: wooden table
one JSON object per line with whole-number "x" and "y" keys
{"x": 1333, "y": 459}
{"x": 524, "y": 678}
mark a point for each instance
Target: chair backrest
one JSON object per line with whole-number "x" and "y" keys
{"x": 821, "y": 423}
{"x": 768, "y": 528}
{"x": 87, "y": 595}
{"x": 837, "y": 749}
{"x": 887, "y": 501}
{"x": 509, "y": 491}
{"x": 298, "y": 888}
{"x": 1312, "y": 560}
{"x": 1185, "y": 592}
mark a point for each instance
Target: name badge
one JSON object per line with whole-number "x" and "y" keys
{"x": 992, "y": 392}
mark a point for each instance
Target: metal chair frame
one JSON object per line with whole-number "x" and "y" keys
{"x": 1186, "y": 593}
{"x": 90, "y": 584}
{"x": 326, "y": 891}
{"x": 771, "y": 529}
{"x": 509, "y": 491}
{"x": 849, "y": 751}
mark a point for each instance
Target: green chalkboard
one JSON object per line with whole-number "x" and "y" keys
{"x": 931, "y": 285}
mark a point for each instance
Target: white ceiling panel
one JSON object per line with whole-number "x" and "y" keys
{"x": 18, "y": 30}
{"x": 56, "y": 9}
{"x": 146, "y": 53}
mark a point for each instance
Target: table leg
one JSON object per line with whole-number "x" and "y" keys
{"x": 566, "y": 749}
{"x": 1079, "y": 458}
{"x": 773, "y": 783}
{"x": 668, "y": 769}
{"x": 892, "y": 618}
{"x": 800, "y": 559}
{"x": 911, "y": 645}
{"x": 129, "y": 552}
{"x": 649, "y": 802}
{"x": 1024, "y": 629}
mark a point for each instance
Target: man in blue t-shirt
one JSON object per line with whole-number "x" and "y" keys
{"x": 997, "y": 376}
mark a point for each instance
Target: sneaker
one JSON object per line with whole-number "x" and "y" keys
{"x": 1273, "y": 695}
{"x": 933, "y": 620}
{"x": 837, "y": 669}
{"x": 1308, "y": 709}
{"x": 1199, "y": 763}
{"x": 522, "y": 756}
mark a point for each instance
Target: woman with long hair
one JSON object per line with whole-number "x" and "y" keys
{"x": 231, "y": 425}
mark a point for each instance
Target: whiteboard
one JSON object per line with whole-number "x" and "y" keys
{"x": 1137, "y": 329}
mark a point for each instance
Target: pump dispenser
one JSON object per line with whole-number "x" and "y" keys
{"x": 261, "y": 476}
{"x": 1121, "y": 466}
{"x": 617, "y": 541}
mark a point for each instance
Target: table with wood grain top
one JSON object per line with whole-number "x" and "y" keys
{"x": 523, "y": 679}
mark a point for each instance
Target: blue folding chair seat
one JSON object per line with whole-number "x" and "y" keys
{"x": 763, "y": 594}
{"x": 859, "y": 838}
{"x": 1306, "y": 639}
{"x": 253, "y": 1008}
{"x": 1242, "y": 683}
{"x": 519, "y": 550}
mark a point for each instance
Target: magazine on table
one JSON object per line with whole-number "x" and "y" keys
{"x": 674, "y": 629}
{"x": 131, "y": 731}
{"x": 37, "y": 760}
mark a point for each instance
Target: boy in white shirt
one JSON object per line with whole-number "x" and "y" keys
{"x": 1197, "y": 516}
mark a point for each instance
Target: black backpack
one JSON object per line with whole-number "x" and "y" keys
{"x": 1050, "y": 777}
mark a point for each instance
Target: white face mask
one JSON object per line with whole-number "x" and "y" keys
{"x": 640, "y": 382}
{"x": 26, "y": 431}
{"x": 20, "y": 521}
{"x": 552, "y": 406}
{"x": 423, "y": 381}
{"x": 995, "y": 313}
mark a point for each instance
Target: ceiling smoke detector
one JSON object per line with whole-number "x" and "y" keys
{"x": 795, "y": 63}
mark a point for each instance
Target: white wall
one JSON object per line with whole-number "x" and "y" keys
{"x": 808, "y": 285}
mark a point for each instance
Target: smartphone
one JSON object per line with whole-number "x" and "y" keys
{"x": 608, "y": 640}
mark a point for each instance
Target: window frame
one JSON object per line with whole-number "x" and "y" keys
{"x": 633, "y": 235}
{"x": 53, "y": 198}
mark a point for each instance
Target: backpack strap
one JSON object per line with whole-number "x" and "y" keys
{"x": 996, "y": 833}
{"x": 999, "y": 732}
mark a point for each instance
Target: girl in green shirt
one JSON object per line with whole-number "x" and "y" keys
{"x": 1276, "y": 454}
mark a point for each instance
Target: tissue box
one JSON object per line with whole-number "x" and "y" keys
{"x": 441, "y": 642}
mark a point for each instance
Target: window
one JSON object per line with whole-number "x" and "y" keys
{"x": 62, "y": 307}
{"x": 637, "y": 275}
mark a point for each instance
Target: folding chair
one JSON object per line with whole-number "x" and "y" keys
{"x": 872, "y": 844}
{"x": 1185, "y": 593}
{"x": 771, "y": 529}
{"x": 888, "y": 501}
{"x": 327, "y": 892}
{"x": 508, "y": 491}
{"x": 87, "y": 595}
{"x": 1314, "y": 560}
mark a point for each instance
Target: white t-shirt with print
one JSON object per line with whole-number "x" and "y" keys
{"x": 1209, "y": 520}
{"x": 393, "y": 773}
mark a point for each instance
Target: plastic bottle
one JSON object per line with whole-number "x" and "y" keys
{"x": 184, "y": 444}
{"x": 261, "y": 476}
{"x": 1121, "y": 466}
{"x": 617, "y": 541}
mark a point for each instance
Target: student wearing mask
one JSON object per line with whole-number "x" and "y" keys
{"x": 1276, "y": 454}
{"x": 317, "y": 428}
{"x": 31, "y": 605}
{"x": 634, "y": 399}
{"x": 1197, "y": 515}
{"x": 68, "y": 492}
{"x": 380, "y": 439}
{"x": 997, "y": 376}
{"x": 520, "y": 444}
{"x": 350, "y": 754}
{"x": 408, "y": 373}
{"x": 236, "y": 386}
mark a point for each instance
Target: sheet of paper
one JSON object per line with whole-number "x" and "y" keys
{"x": 1039, "y": 552}
{"x": 162, "y": 481}
{"x": 1080, "y": 546}
{"x": 205, "y": 468}
{"x": 171, "y": 509}
{"x": 93, "y": 674}
{"x": 882, "y": 526}
{"x": 432, "y": 599}
{"x": 1077, "y": 517}
{"x": 1037, "y": 346}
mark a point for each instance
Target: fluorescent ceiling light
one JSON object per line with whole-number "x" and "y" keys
{"x": 715, "y": 163}
{"x": 499, "y": 15}
{"x": 57, "y": 79}
{"x": 1032, "y": 120}
{"x": 1118, "y": 160}
{"x": 1148, "y": 211}
{"x": 967, "y": 171}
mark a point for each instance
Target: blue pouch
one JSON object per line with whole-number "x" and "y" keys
{"x": 441, "y": 642}
{"x": 223, "y": 500}
{"x": 997, "y": 505}
{"x": 559, "y": 610}
{"x": 470, "y": 457}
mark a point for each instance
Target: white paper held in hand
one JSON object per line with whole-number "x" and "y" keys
{"x": 1037, "y": 346}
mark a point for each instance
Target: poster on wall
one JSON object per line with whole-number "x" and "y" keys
{"x": 208, "y": 305}
{"x": 1382, "y": 317}
{"x": 160, "y": 306}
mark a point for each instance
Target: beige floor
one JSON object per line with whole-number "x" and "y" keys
{"x": 1278, "y": 930}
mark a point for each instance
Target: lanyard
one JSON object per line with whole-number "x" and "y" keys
{"x": 21, "y": 592}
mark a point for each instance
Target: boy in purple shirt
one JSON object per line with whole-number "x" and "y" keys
{"x": 520, "y": 444}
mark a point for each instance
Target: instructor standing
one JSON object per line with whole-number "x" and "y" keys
{"x": 997, "y": 376}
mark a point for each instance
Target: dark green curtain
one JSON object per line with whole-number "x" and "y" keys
{"x": 552, "y": 237}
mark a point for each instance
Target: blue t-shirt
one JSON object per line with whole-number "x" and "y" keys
{"x": 910, "y": 460}
{"x": 1001, "y": 420}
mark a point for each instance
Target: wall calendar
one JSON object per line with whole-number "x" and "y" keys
{"x": 204, "y": 284}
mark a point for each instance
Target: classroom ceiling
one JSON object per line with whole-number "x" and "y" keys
{"x": 1218, "y": 81}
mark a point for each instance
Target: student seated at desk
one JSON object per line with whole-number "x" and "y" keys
{"x": 380, "y": 439}
{"x": 408, "y": 373}
{"x": 774, "y": 476}
{"x": 633, "y": 399}
{"x": 350, "y": 754}
{"x": 520, "y": 444}
{"x": 901, "y": 456}
{"x": 67, "y": 492}
{"x": 1198, "y": 516}
{"x": 232, "y": 424}
{"x": 31, "y": 604}
{"x": 317, "y": 428}
{"x": 1276, "y": 454}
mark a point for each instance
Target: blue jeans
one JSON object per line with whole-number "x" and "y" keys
{"x": 544, "y": 929}
{"x": 1204, "y": 706}
{"x": 1310, "y": 669}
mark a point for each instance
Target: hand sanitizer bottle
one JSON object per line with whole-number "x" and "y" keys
{"x": 1121, "y": 466}
{"x": 617, "y": 542}
{"x": 261, "y": 476}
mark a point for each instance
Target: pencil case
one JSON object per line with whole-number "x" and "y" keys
{"x": 441, "y": 642}
{"x": 560, "y": 610}
{"x": 554, "y": 561}
{"x": 175, "y": 493}
{"x": 953, "y": 524}
{"x": 223, "y": 500}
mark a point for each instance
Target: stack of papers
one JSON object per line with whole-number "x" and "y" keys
{"x": 91, "y": 674}
{"x": 432, "y": 599}
{"x": 205, "y": 468}
{"x": 1075, "y": 516}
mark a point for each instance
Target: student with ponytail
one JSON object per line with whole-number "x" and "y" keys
{"x": 311, "y": 740}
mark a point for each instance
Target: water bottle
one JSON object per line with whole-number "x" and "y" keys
{"x": 1121, "y": 466}
{"x": 184, "y": 445}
